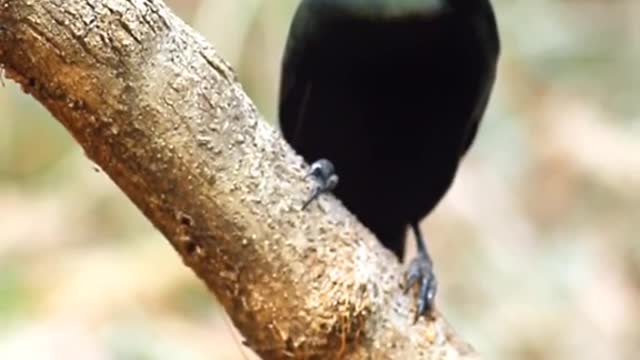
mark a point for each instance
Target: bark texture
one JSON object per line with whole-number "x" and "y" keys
{"x": 153, "y": 104}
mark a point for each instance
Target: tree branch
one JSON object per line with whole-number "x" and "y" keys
{"x": 153, "y": 104}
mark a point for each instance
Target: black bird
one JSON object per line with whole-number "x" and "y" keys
{"x": 391, "y": 93}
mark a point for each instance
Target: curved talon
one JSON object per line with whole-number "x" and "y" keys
{"x": 421, "y": 272}
{"x": 427, "y": 297}
{"x": 323, "y": 172}
{"x": 314, "y": 195}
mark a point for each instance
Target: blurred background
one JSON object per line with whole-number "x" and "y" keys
{"x": 536, "y": 246}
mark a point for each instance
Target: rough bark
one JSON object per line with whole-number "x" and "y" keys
{"x": 153, "y": 104}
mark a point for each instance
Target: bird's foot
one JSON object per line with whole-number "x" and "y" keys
{"x": 323, "y": 172}
{"x": 421, "y": 272}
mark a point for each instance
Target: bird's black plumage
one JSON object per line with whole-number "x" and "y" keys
{"x": 392, "y": 92}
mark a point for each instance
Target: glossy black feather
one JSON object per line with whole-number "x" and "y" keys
{"x": 393, "y": 99}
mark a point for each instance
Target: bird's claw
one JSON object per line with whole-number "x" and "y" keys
{"x": 323, "y": 172}
{"x": 421, "y": 272}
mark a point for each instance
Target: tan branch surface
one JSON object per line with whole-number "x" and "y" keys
{"x": 153, "y": 104}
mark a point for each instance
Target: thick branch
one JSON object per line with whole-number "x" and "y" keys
{"x": 152, "y": 103}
